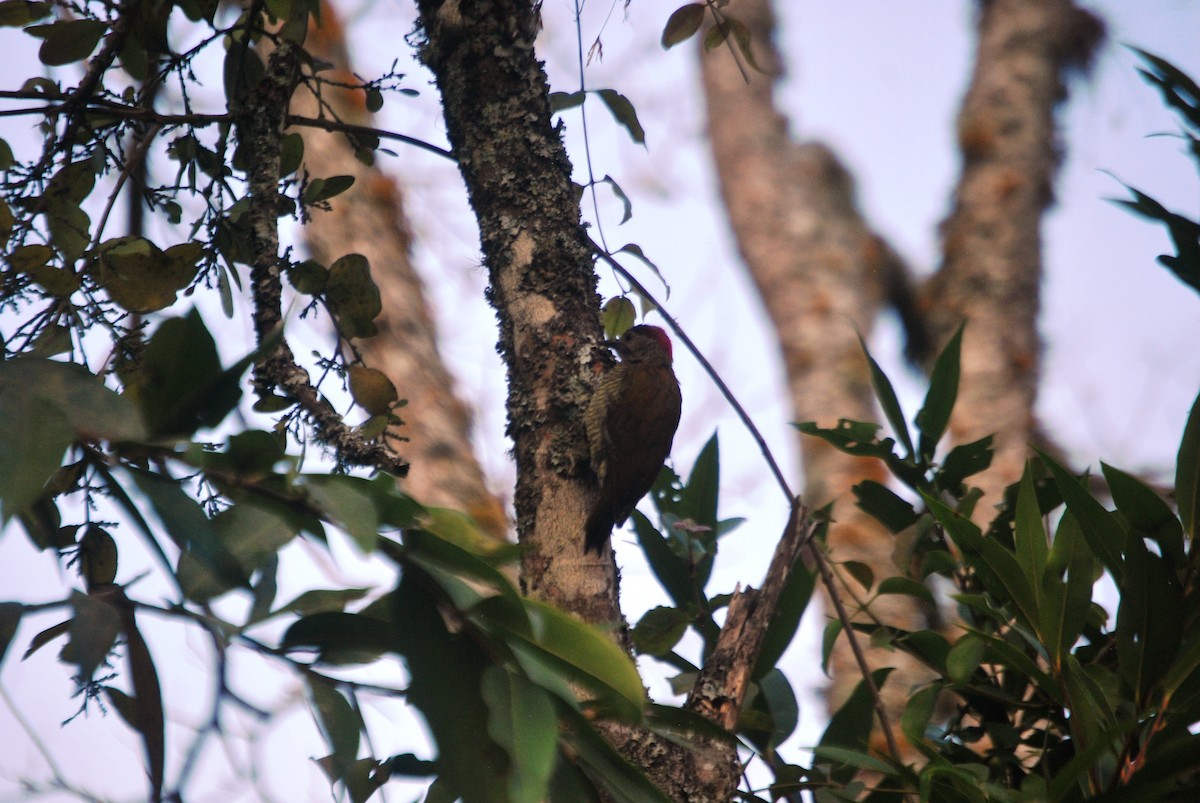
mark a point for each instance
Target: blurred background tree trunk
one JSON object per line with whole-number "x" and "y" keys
{"x": 824, "y": 276}
{"x": 991, "y": 270}
{"x": 369, "y": 219}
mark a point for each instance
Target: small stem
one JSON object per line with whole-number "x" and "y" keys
{"x": 860, "y": 657}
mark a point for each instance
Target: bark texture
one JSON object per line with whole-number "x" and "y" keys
{"x": 496, "y": 105}
{"x": 992, "y": 249}
{"x": 822, "y": 275}
{"x": 369, "y": 219}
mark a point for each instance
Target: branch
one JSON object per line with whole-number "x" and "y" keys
{"x": 260, "y": 127}
{"x": 720, "y": 689}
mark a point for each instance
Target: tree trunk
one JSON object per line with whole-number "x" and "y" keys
{"x": 369, "y": 219}
{"x": 495, "y": 100}
{"x": 822, "y": 275}
{"x": 992, "y": 250}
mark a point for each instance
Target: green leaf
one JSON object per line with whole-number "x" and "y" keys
{"x": 323, "y": 189}
{"x": 588, "y": 654}
{"x": 33, "y": 438}
{"x": 906, "y": 586}
{"x": 998, "y": 569}
{"x": 852, "y": 759}
{"x": 964, "y": 461}
{"x": 265, "y": 590}
{"x": 341, "y": 638}
{"x": 147, "y": 699}
{"x": 193, "y": 532}
{"x": 622, "y": 109}
{"x": 561, "y": 101}
{"x": 1069, "y": 779}
{"x": 669, "y": 569}
{"x": 682, "y": 24}
{"x": 785, "y": 620}
{"x": 934, "y": 415}
{"x": 44, "y": 407}
{"x": 1001, "y": 652}
{"x": 1187, "y": 473}
{"x": 659, "y": 630}
{"x": 928, "y": 646}
{"x": 888, "y": 401}
{"x": 884, "y": 505}
{"x": 741, "y": 35}
{"x": 635, "y": 250}
{"x": 348, "y": 502}
{"x": 291, "y": 154}
{"x": 1101, "y": 529}
{"x": 963, "y": 659}
{"x": 52, "y": 341}
{"x": 1147, "y": 513}
{"x": 618, "y": 316}
{"x": 1091, "y": 712}
{"x": 449, "y": 564}
{"x": 833, "y": 629}
{"x": 180, "y": 386}
{"x": 521, "y": 719}
{"x": 626, "y": 204}
{"x": 353, "y": 297}
{"x": 70, "y": 229}
{"x": 10, "y": 617}
{"x": 18, "y": 13}
{"x": 252, "y": 534}
{"x": 141, "y": 277}
{"x": 863, "y": 574}
{"x": 340, "y": 722}
{"x": 372, "y": 390}
{"x": 68, "y": 41}
{"x": 323, "y": 600}
{"x": 93, "y": 633}
{"x": 619, "y": 780}
{"x": 1070, "y": 552}
{"x": 1177, "y": 88}
{"x": 850, "y": 726}
{"x": 1030, "y": 535}
{"x": 780, "y": 702}
{"x": 446, "y": 670}
{"x": 1184, "y": 232}
{"x": 858, "y": 438}
{"x": 243, "y": 70}
{"x": 45, "y": 637}
{"x": 918, "y": 711}
{"x": 7, "y": 219}
{"x": 1147, "y": 637}
{"x": 308, "y": 277}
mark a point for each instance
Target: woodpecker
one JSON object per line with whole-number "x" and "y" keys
{"x": 631, "y": 422}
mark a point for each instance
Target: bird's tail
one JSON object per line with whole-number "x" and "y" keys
{"x": 598, "y": 529}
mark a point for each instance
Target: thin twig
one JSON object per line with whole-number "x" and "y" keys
{"x": 860, "y": 657}
{"x": 130, "y": 165}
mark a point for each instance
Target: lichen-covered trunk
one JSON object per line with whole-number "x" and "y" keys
{"x": 822, "y": 275}
{"x": 992, "y": 249}
{"x": 495, "y": 100}
{"x": 369, "y": 219}
{"x": 497, "y": 110}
